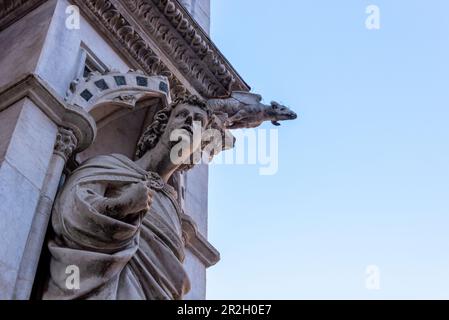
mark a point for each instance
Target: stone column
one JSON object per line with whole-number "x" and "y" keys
{"x": 66, "y": 143}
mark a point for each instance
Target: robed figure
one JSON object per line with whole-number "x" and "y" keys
{"x": 118, "y": 221}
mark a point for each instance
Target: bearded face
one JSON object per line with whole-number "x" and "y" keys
{"x": 184, "y": 129}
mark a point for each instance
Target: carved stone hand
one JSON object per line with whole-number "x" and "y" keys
{"x": 131, "y": 199}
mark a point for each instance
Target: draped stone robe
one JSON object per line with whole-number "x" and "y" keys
{"x": 137, "y": 257}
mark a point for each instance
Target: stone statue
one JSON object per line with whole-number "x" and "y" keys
{"x": 245, "y": 110}
{"x": 118, "y": 221}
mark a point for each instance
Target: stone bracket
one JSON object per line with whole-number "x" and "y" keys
{"x": 197, "y": 243}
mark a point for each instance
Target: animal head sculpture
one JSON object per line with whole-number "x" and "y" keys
{"x": 279, "y": 112}
{"x": 246, "y": 110}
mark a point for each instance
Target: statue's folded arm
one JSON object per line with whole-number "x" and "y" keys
{"x": 104, "y": 217}
{"x": 97, "y": 226}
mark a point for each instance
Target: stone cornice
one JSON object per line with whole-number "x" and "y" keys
{"x": 135, "y": 27}
{"x": 157, "y": 36}
{"x": 64, "y": 115}
{"x": 184, "y": 40}
{"x": 197, "y": 243}
{"x": 12, "y": 10}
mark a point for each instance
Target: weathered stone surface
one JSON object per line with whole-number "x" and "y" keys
{"x": 18, "y": 198}
{"x": 7, "y": 281}
{"x": 14, "y": 10}
{"x": 8, "y": 120}
{"x": 22, "y": 294}
{"x": 25, "y": 40}
{"x": 66, "y": 142}
{"x": 27, "y": 144}
{"x": 197, "y": 272}
{"x": 118, "y": 135}
{"x": 30, "y": 261}
{"x": 64, "y": 42}
{"x": 31, "y": 145}
{"x": 96, "y": 43}
{"x": 196, "y": 186}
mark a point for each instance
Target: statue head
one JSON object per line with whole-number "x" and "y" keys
{"x": 185, "y": 116}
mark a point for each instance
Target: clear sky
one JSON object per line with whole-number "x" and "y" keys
{"x": 363, "y": 175}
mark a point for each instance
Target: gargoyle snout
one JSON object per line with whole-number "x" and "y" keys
{"x": 293, "y": 115}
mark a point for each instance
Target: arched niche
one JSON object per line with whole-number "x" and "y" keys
{"x": 122, "y": 105}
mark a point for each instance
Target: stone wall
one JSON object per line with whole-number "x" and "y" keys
{"x": 27, "y": 139}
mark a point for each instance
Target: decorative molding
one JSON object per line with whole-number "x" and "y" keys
{"x": 13, "y": 10}
{"x": 130, "y": 24}
{"x": 116, "y": 88}
{"x": 197, "y": 243}
{"x": 185, "y": 42}
{"x": 107, "y": 18}
{"x": 66, "y": 143}
{"x": 64, "y": 115}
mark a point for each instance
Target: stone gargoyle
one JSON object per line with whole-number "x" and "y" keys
{"x": 245, "y": 110}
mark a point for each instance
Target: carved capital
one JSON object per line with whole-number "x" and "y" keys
{"x": 66, "y": 142}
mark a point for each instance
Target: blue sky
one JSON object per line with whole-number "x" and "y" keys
{"x": 363, "y": 174}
